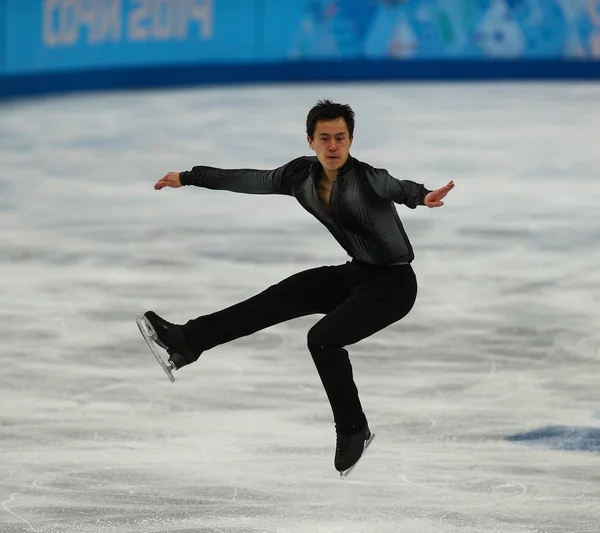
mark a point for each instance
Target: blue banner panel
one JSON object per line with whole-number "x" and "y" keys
{"x": 439, "y": 29}
{"x": 2, "y": 36}
{"x": 52, "y": 35}
{"x": 279, "y": 26}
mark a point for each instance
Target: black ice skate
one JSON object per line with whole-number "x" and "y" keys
{"x": 168, "y": 336}
{"x": 350, "y": 448}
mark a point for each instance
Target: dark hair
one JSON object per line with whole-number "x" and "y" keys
{"x": 328, "y": 110}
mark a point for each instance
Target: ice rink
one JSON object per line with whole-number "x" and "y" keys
{"x": 485, "y": 400}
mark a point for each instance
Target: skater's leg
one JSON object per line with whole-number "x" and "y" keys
{"x": 318, "y": 290}
{"x": 380, "y": 297}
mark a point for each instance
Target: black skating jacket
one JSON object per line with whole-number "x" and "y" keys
{"x": 361, "y": 217}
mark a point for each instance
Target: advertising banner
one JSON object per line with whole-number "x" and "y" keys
{"x": 50, "y": 35}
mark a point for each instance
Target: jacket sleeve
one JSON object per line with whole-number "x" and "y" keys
{"x": 405, "y": 192}
{"x": 249, "y": 181}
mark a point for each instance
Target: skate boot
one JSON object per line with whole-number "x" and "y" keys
{"x": 171, "y": 338}
{"x": 350, "y": 448}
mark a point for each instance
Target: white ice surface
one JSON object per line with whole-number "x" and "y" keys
{"x": 504, "y": 338}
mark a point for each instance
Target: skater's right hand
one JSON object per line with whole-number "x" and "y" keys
{"x": 170, "y": 180}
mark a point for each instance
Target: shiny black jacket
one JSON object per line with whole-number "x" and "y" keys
{"x": 361, "y": 217}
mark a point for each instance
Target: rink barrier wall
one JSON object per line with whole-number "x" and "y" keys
{"x": 321, "y": 71}
{"x": 54, "y": 46}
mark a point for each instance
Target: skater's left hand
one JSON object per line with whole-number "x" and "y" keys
{"x": 433, "y": 199}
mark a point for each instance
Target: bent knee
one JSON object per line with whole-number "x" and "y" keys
{"x": 315, "y": 340}
{"x": 318, "y": 340}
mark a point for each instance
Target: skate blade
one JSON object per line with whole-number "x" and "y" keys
{"x": 344, "y": 474}
{"x": 150, "y": 337}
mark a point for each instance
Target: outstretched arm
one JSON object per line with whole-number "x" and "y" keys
{"x": 406, "y": 192}
{"x": 247, "y": 181}
{"x": 398, "y": 191}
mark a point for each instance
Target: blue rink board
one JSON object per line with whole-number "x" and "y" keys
{"x": 348, "y": 71}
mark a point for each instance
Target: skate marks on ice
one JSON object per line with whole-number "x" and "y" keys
{"x": 500, "y": 344}
{"x": 559, "y": 437}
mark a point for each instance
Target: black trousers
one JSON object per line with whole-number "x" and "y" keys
{"x": 357, "y": 300}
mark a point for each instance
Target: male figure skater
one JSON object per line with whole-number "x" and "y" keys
{"x": 374, "y": 289}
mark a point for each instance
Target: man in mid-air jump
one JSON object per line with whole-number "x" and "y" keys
{"x": 374, "y": 289}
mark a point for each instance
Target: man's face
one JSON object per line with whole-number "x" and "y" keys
{"x": 331, "y": 143}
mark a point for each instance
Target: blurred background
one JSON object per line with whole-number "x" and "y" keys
{"x": 55, "y": 45}
{"x": 484, "y": 399}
